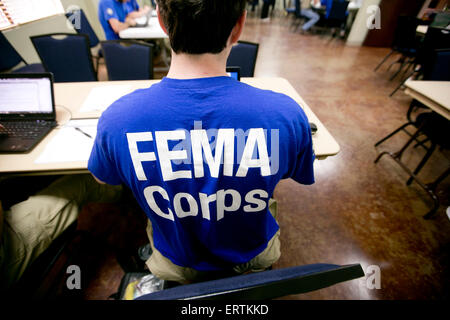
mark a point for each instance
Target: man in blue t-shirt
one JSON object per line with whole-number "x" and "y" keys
{"x": 202, "y": 152}
{"x": 118, "y": 15}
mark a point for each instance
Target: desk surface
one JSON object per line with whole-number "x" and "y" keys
{"x": 152, "y": 31}
{"x": 433, "y": 94}
{"x": 72, "y": 96}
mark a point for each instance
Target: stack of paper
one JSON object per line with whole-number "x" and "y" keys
{"x": 73, "y": 142}
{"x": 101, "y": 98}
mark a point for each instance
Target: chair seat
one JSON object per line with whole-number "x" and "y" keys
{"x": 435, "y": 127}
{"x": 406, "y": 51}
{"x": 290, "y": 10}
{"x": 31, "y": 68}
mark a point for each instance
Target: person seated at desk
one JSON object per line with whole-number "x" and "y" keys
{"x": 30, "y": 224}
{"x": 326, "y": 5}
{"x": 310, "y": 14}
{"x": 118, "y": 15}
{"x": 209, "y": 211}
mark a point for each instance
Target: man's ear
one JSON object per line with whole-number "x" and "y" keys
{"x": 237, "y": 30}
{"x": 161, "y": 23}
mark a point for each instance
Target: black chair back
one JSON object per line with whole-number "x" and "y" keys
{"x": 128, "y": 59}
{"x": 9, "y": 57}
{"x": 438, "y": 67}
{"x": 67, "y": 56}
{"x": 84, "y": 27}
{"x": 435, "y": 38}
{"x": 244, "y": 55}
{"x": 405, "y": 33}
{"x": 338, "y": 11}
{"x": 263, "y": 285}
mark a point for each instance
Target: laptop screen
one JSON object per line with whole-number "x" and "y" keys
{"x": 25, "y": 95}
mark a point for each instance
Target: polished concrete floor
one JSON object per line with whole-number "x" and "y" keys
{"x": 357, "y": 211}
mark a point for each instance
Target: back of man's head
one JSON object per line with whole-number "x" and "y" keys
{"x": 200, "y": 26}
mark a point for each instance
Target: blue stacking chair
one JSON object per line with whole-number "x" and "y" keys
{"x": 289, "y": 10}
{"x": 263, "y": 285}
{"x": 9, "y": 58}
{"x": 66, "y": 55}
{"x": 128, "y": 59}
{"x": 244, "y": 55}
{"x": 85, "y": 27}
{"x": 336, "y": 15}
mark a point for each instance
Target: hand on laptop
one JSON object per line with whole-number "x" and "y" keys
{"x": 131, "y": 22}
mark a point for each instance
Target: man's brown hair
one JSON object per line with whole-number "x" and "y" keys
{"x": 200, "y": 26}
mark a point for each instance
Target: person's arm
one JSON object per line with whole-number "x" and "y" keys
{"x": 118, "y": 26}
{"x": 141, "y": 12}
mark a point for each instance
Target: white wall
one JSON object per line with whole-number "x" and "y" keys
{"x": 19, "y": 37}
{"x": 359, "y": 29}
{"x": 90, "y": 8}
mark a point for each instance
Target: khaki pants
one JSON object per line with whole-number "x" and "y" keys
{"x": 165, "y": 269}
{"x": 31, "y": 226}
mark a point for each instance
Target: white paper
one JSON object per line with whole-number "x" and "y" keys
{"x": 23, "y": 11}
{"x": 100, "y": 98}
{"x": 70, "y": 144}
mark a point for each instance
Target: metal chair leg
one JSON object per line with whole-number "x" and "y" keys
{"x": 403, "y": 62}
{"x": 393, "y": 133}
{"x": 402, "y": 83}
{"x": 441, "y": 178}
{"x": 422, "y": 163}
{"x": 384, "y": 59}
{"x": 390, "y": 66}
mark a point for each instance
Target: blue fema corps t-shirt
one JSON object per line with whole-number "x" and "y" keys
{"x": 109, "y": 9}
{"x": 203, "y": 157}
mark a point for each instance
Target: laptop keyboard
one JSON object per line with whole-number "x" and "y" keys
{"x": 26, "y": 129}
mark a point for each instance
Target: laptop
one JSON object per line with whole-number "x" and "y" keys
{"x": 143, "y": 21}
{"x": 27, "y": 110}
{"x": 234, "y": 72}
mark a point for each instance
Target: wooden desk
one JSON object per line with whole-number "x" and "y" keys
{"x": 433, "y": 94}
{"x": 72, "y": 96}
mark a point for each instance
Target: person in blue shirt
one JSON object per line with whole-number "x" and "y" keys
{"x": 118, "y": 15}
{"x": 328, "y": 4}
{"x": 202, "y": 152}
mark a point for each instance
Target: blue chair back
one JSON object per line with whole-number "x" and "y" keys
{"x": 338, "y": 10}
{"x": 128, "y": 60}
{"x": 438, "y": 67}
{"x": 67, "y": 56}
{"x": 263, "y": 285}
{"x": 296, "y": 9}
{"x": 244, "y": 55}
{"x": 9, "y": 57}
{"x": 84, "y": 26}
